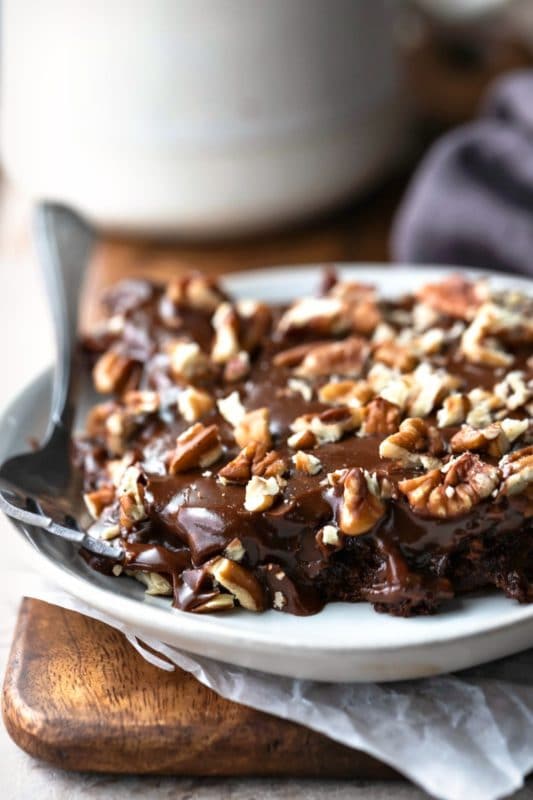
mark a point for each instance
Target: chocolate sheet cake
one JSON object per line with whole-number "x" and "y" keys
{"x": 343, "y": 447}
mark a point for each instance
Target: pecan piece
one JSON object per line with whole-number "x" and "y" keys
{"x": 237, "y": 367}
{"x": 454, "y": 296}
{"x": 198, "y": 446}
{"x": 239, "y": 582}
{"x": 517, "y": 469}
{"x": 195, "y": 290}
{"x": 346, "y": 358}
{"x": 381, "y": 417}
{"x": 294, "y": 355}
{"x": 345, "y": 393}
{"x": 98, "y": 500}
{"x": 321, "y": 315}
{"x": 257, "y": 319}
{"x": 112, "y": 372}
{"x": 453, "y": 490}
{"x": 360, "y": 509}
{"x": 412, "y": 443}
{"x": 141, "y": 402}
{"x": 253, "y": 460}
{"x": 131, "y": 497}
{"x": 226, "y": 342}
{"x": 360, "y": 304}
{"x": 396, "y": 356}
{"x": 305, "y": 462}
{"x": 254, "y": 427}
{"x": 187, "y": 361}
{"x": 454, "y": 409}
{"x": 193, "y": 403}
{"x": 261, "y": 493}
{"x": 496, "y": 439}
{"x": 328, "y": 426}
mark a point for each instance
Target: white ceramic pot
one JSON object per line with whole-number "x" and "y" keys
{"x": 198, "y": 117}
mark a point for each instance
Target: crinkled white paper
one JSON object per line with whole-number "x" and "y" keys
{"x": 457, "y": 736}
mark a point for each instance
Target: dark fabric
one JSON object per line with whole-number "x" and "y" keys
{"x": 470, "y": 201}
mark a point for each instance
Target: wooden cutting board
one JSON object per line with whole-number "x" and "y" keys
{"x": 76, "y": 694}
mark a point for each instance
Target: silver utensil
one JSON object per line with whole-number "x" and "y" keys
{"x": 39, "y": 488}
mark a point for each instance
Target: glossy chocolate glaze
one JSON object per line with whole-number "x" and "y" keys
{"x": 407, "y": 563}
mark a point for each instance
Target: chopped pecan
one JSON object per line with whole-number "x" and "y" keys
{"x": 98, "y": 500}
{"x": 412, "y": 443}
{"x": 226, "y": 326}
{"x": 330, "y": 425}
{"x": 297, "y": 386}
{"x": 232, "y": 409}
{"x": 257, "y": 319}
{"x": 237, "y": 367}
{"x": 329, "y": 539}
{"x": 294, "y": 355}
{"x": 517, "y": 470}
{"x": 305, "y": 462}
{"x": 196, "y": 291}
{"x": 359, "y": 510}
{"x": 454, "y": 409}
{"x": 429, "y": 387}
{"x": 321, "y": 315}
{"x": 193, "y": 403}
{"x": 198, "y": 446}
{"x": 240, "y": 582}
{"x": 302, "y": 440}
{"x": 155, "y": 583}
{"x": 381, "y": 417}
{"x": 347, "y": 358}
{"x": 496, "y": 439}
{"x": 481, "y": 341}
{"x": 514, "y": 391}
{"x": 261, "y": 493}
{"x": 454, "y": 296}
{"x": 345, "y": 393}
{"x": 253, "y": 459}
{"x": 97, "y": 417}
{"x": 119, "y": 426}
{"x": 141, "y": 402}
{"x": 113, "y": 372}
{"x": 187, "y": 361}
{"x": 360, "y": 304}
{"x": 131, "y": 497}
{"x": 453, "y": 490}
{"x": 235, "y": 550}
{"x": 396, "y": 356}
{"x": 254, "y": 427}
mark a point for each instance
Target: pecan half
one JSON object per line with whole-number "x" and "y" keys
{"x": 198, "y": 446}
{"x": 453, "y": 490}
{"x": 359, "y": 510}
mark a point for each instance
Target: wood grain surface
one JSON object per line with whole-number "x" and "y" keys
{"x": 76, "y": 694}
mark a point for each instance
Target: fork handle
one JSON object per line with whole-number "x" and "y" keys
{"x": 64, "y": 242}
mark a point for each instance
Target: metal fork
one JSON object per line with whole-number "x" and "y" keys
{"x": 36, "y": 484}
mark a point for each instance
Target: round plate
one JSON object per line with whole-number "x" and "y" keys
{"x": 344, "y": 642}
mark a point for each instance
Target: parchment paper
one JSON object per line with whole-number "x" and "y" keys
{"x": 468, "y": 735}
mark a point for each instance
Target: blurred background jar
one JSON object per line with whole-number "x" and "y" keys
{"x": 199, "y": 117}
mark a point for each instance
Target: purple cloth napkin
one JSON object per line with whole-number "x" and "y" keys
{"x": 470, "y": 201}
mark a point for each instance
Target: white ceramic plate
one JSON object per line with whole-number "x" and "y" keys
{"x": 344, "y": 642}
